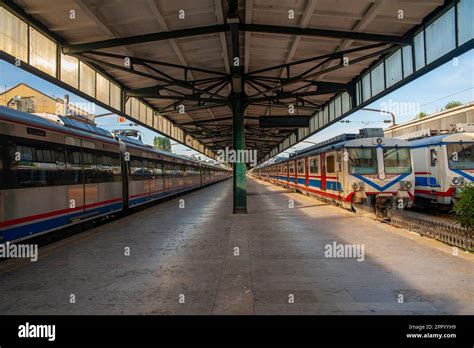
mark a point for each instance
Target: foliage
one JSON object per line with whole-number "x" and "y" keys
{"x": 421, "y": 114}
{"x": 452, "y": 104}
{"x": 162, "y": 143}
{"x": 464, "y": 207}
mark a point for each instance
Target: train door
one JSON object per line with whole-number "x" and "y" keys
{"x": 295, "y": 165}
{"x": 75, "y": 173}
{"x": 148, "y": 172}
{"x": 306, "y": 171}
{"x": 125, "y": 166}
{"x": 339, "y": 170}
{"x": 434, "y": 165}
{"x": 323, "y": 171}
{"x": 91, "y": 177}
{"x": 125, "y": 170}
{"x": 200, "y": 175}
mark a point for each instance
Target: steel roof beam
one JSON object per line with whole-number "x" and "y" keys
{"x": 192, "y": 123}
{"x": 153, "y": 93}
{"x": 337, "y": 34}
{"x": 139, "y": 60}
{"x": 171, "y": 109}
{"x": 178, "y": 83}
{"x": 245, "y": 27}
{"x": 153, "y": 37}
{"x": 300, "y": 78}
{"x": 332, "y": 55}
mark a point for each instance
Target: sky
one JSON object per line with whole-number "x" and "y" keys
{"x": 453, "y": 81}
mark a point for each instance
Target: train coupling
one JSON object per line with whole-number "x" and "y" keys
{"x": 360, "y": 197}
{"x": 383, "y": 205}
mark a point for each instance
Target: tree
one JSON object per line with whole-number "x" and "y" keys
{"x": 162, "y": 143}
{"x": 421, "y": 114}
{"x": 452, "y": 104}
{"x": 464, "y": 207}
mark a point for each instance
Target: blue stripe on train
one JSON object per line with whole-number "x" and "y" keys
{"x": 62, "y": 221}
{"x": 464, "y": 174}
{"x": 53, "y": 223}
{"x": 426, "y": 181}
{"x": 145, "y": 199}
{"x": 330, "y": 185}
{"x": 378, "y": 187}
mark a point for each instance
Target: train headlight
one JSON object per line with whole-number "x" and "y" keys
{"x": 457, "y": 181}
{"x": 358, "y": 186}
{"x": 408, "y": 185}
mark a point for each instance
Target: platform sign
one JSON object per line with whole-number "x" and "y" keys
{"x": 284, "y": 121}
{"x": 121, "y": 119}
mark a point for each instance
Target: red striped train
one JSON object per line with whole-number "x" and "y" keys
{"x": 354, "y": 171}
{"x": 57, "y": 174}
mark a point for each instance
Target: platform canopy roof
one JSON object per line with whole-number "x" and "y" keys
{"x": 176, "y": 56}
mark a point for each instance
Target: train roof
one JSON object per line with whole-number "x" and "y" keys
{"x": 71, "y": 128}
{"x": 443, "y": 138}
{"x": 352, "y": 142}
{"x": 87, "y": 127}
{"x": 345, "y": 140}
{"x": 77, "y": 128}
{"x": 142, "y": 146}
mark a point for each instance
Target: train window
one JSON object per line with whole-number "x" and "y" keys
{"x": 25, "y": 153}
{"x": 89, "y": 160}
{"x": 29, "y": 166}
{"x": 168, "y": 170}
{"x": 21, "y": 166}
{"x": 314, "y": 165}
{"x": 73, "y": 166}
{"x": 59, "y": 156}
{"x": 363, "y": 161}
{"x": 330, "y": 164}
{"x": 292, "y": 167}
{"x": 108, "y": 167}
{"x": 397, "y": 160}
{"x": 300, "y": 166}
{"x": 136, "y": 168}
{"x": 40, "y": 157}
{"x": 146, "y": 169}
{"x": 433, "y": 157}
{"x": 461, "y": 156}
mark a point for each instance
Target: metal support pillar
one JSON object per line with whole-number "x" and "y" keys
{"x": 238, "y": 140}
{"x": 238, "y": 128}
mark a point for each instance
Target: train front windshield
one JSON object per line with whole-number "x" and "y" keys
{"x": 461, "y": 156}
{"x": 363, "y": 161}
{"x": 397, "y": 160}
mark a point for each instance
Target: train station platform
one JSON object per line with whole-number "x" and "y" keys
{"x": 201, "y": 259}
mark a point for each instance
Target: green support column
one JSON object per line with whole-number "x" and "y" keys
{"x": 239, "y": 178}
{"x": 237, "y": 96}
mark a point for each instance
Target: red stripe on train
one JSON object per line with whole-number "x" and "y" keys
{"x": 438, "y": 194}
{"x": 54, "y": 213}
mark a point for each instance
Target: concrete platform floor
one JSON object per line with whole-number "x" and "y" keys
{"x": 184, "y": 261}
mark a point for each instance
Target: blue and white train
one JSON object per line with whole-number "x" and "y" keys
{"x": 444, "y": 164}
{"x": 354, "y": 171}
{"x": 57, "y": 174}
